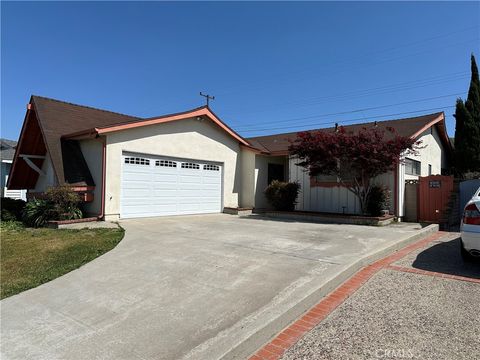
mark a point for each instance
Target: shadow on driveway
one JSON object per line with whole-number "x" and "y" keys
{"x": 445, "y": 258}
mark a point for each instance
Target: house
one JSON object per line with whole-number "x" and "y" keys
{"x": 326, "y": 194}
{"x": 185, "y": 163}
{"x": 7, "y": 151}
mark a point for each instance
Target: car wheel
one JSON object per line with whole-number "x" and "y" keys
{"x": 465, "y": 254}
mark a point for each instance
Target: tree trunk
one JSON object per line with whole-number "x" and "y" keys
{"x": 361, "y": 191}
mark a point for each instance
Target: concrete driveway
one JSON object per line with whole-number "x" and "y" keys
{"x": 189, "y": 287}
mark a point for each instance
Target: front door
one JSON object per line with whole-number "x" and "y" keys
{"x": 276, "y": 172}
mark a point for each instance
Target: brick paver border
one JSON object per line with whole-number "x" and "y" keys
{"x": 294, "y": 332}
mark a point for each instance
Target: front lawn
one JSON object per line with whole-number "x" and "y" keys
{"x": 31, "y": 257}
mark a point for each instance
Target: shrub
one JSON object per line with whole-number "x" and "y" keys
{"x": 64, "y": 201}
{"x": 57, "y": 203}
{"x": 378, "y": 200}
{"x": 282, "y": 195}
{"x": 12, "y": 209}
{"x": 37, "y": 212}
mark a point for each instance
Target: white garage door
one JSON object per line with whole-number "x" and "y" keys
{"x": 155, "y": 186}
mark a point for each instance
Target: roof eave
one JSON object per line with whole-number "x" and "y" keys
{"x": 203, "y": 111}
{"x": 439, "y": 120}
{"x": 84, "y": 134}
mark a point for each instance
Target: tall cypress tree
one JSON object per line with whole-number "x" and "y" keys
{"x": 467, "y": 129}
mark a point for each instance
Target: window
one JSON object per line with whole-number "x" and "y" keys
{"x": 166, "y": 163}
{"x": 137, "y": 161}
{"x": 429, "y": 169}
{"x": 345, "y": 176}
{"x": 412, "y": 167}
{"x": 190, "y": 166}
{"x": 211, "y": 167}
{"x": 275, "y": 172}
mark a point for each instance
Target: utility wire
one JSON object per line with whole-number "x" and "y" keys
{"x": 368, "y": 92}
{"x": 353, "y": 61}
{"x": 220, "y": 90}
{"x": 249, "y": 126}
{"x": 347, "y": 121}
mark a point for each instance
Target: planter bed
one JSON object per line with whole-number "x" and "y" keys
{"x": 311, "y": 216}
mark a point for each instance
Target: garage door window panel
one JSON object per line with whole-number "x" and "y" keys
{"x": 211, "y": 167}
{"x": 166, "y": 163}
{"x": 190, "y": 166}
{"x": 137, "y": 161}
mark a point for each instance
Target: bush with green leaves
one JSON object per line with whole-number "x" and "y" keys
{"x": 57, "y": 203}
{"x": 282, "y": 195}
{"x": 65, "y": 202}
{"x": 37, "y": 212}
{"x": 378, "y": 200}
{"x": 12, "y": 209}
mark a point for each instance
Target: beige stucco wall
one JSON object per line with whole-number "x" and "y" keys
{"x": 47, "y": 180}
{"x": 92, "y": 152}
{"x": 247, "y": 193}
{"x": 190, "y": 139}
{"x": 261, "y": 177}
{"x": 432, "y": 153}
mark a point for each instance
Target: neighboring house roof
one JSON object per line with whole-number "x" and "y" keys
{"x": 412, "y": 127}
{"x": 7, "y": 149}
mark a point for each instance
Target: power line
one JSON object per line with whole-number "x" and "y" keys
{"x": 354, "y": 61}
{"x": 248, "y": 126}
{"x": 372, "y": 53}
{"x": 390, "y": 88}
{"x": 350, "y": 120}
{"x": 360, "y": 66}
{"x": 370, "y": 92}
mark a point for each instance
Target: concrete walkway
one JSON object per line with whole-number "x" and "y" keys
{"x": 192, "y": 287}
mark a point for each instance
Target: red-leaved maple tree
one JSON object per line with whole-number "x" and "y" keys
{"x": 357, "y": 156}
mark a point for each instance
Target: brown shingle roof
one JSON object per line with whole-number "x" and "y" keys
{"x": 405, "y": 127}
{"x": 57, "y": 118}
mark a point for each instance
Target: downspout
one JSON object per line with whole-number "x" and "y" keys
{"x": 101, "y": 216}
{"x": 395, "y": 197}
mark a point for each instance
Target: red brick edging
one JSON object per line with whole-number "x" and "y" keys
{"x": 294, "y": 332}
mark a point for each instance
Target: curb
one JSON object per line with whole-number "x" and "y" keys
{"x": 246, "y": 348}
{"x": 277, "y": 346}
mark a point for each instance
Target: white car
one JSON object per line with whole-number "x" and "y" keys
{"x": 470, "y": 228}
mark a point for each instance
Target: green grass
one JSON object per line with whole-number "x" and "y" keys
{"x": 31, "y": 257}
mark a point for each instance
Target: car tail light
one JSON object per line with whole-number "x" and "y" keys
{"x": 471, "y": 215}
